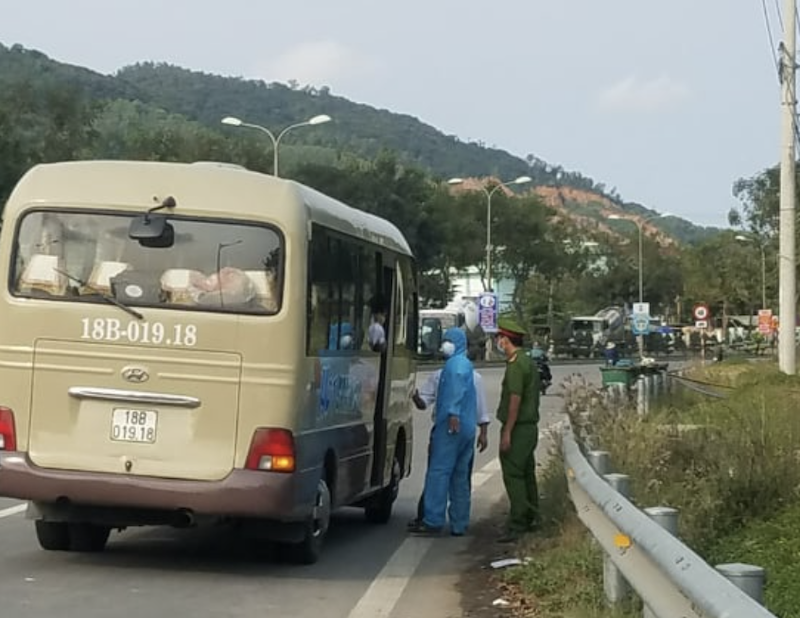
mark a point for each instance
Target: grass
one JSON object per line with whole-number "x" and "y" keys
{"x": 729, "y": 465}
{"x": 773, "y": 544}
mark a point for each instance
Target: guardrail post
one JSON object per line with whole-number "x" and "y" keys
{"x": 664, "y": 516}
{"x": 641, "y": 395}
{"x": 748, "y": 578}
{"x": 600, "y": 461}
{"x": 615, "y": 585}
{"x": 667, "y": 518}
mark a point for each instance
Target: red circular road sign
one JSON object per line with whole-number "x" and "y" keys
{"x": 701, "y": 312}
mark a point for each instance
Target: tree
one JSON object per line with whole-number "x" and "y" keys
{"x": 723, "y": 273}
{"x": 760, "y": 212}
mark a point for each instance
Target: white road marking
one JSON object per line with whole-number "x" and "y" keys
{"x": 492, "y": 466}
{"x": 14, "y": 510}
{"x": 386, "y": 589}
{"x": 479, "y": 478}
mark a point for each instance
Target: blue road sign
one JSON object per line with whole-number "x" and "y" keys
{"x": 640, "y": 324}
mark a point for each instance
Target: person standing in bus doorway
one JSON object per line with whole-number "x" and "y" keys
{"x": 452, "y": 442}
{"x": 518, "y": 413}
{"x": 376, "y": 333}
{"x": 426, "y": 397}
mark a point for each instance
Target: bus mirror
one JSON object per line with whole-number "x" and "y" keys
{"x": 152, "y": 231}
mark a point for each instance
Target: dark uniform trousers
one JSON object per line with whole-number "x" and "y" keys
{"x": 518, "y": 465}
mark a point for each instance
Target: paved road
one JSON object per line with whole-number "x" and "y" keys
{"x": 150, "y": 573}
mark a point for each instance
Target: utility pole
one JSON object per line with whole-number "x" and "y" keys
{"x": 787, "y": 251}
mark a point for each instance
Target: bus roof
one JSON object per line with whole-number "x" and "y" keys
{"x": 205, "y": 187}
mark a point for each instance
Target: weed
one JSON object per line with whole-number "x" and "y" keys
{"x": 729, "y": 465}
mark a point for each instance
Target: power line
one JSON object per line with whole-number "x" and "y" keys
{"x": 780, "y": 16}
{"x": 772, "y": 46}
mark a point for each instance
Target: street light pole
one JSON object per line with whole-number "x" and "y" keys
{"x": 236, "y": 122}
{"x": 521, "y": 180}
{"x": 640, "y": 227}
{"x": 763, "y": 278}
{"x": 641, "y": 265}
{"x": 762, "y": 247}
{"x": 489, "y": 237}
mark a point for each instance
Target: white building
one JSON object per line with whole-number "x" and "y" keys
{"x": 468, "y": 284}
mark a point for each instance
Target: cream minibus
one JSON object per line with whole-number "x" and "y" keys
{"x": 182, "y": 343}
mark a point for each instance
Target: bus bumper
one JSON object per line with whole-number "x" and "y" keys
{"x": 242, "y": 494}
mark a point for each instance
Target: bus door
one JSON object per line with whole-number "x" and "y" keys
{"x": 385, "y": 287}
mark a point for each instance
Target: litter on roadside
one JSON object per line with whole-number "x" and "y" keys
{"x": 507, "y": 562}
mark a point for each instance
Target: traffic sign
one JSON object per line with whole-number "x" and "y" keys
{"x": 641, "y": 308}
{"x": 487, "y": 311}
{"x": 640, "y": 318}
{"x": 765, "y": 321}
{"x": 701, "y": 324}
{"x": 701, "y": 313}
{"x": 640, "y": 324}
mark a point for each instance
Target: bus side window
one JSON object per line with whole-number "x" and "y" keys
{"x": 369, "y": 275}
{"x": 338, "y": 269}
{"x": 410, "y": 300}
{"x": 365, "y": 289}
{"x": 321, "y": 309}
{"x": 346, "y": 258}
{"x": 400, "y": 307}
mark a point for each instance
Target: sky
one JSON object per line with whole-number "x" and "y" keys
{"x": 668, "y": 102}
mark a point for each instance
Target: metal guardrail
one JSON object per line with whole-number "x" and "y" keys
{"x": 670, "y": 578}
{"x": 704, "y": 388}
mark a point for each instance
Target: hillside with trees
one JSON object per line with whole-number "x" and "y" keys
{"x": 157, "y": 90}
{"x": 550, "y": 238}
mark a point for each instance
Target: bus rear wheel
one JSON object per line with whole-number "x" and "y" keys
{"x": 52, "y": 535}
{"x": 379, "y": 510}
{"x": 88, "y": 537}
{"x": 309, "y": 549}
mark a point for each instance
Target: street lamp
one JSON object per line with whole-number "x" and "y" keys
{"x": 639, "y": 225}
{"x": 521, "y": 180}
{"x": 742, "y": 238}
{"x": 236, "y": 122}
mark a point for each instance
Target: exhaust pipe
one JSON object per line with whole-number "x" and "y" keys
{"x": 184, "y": 518}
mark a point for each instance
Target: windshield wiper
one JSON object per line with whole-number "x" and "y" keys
{"x": 106, "y": 297}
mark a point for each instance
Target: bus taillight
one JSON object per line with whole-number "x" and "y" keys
{"x": 8, "y": 433}
{"x": 271, "y": 449}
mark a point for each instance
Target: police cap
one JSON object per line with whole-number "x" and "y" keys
{"x": 508, "y": 327}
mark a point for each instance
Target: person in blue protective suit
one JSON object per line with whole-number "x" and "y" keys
{"x": 426, "y": 398}
{"x": 452, "y": 442}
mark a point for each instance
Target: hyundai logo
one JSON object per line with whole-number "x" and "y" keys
{"x": 137, "y": 375}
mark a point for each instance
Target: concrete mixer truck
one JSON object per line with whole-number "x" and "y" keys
{"x": 590, "y": 333}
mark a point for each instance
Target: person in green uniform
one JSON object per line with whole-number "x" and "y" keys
{"x": 518, "y": 413}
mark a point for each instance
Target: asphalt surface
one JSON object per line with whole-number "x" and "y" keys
{"x": 205, "y": 573}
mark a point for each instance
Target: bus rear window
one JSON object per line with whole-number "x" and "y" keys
{"x": 213, "y": 265}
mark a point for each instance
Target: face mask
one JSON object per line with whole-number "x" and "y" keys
{"x": 448, "y": 349}
{"x": 499, "y": 345}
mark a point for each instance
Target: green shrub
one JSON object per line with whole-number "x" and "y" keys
{"x": 729, "y": 465}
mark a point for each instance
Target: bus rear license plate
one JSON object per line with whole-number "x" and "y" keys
{"x": 129, "y": 425}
